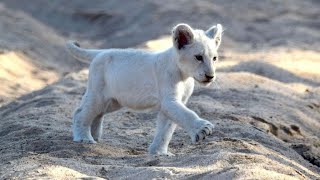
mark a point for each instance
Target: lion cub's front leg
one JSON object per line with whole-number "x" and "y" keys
{"x": 196, "y": 127}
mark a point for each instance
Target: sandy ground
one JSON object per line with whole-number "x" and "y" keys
{"x": 265, "y": 103}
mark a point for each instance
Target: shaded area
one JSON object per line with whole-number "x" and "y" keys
{"x": 113, "y": 24}
{"x": 309, "y": 152}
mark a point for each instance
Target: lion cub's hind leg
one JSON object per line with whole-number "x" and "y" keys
{"x": 97, "y": 124}
{"x": 163, "y": 135}
{"x": 88, "y": 116}
{"x": 97, "y": 127}
{"x": 83, "y": 118}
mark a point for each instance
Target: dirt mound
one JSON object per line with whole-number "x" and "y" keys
{"x": 246, "y": 142}
{"x": 272, "y": 72}
{"x": 19, "y": 76}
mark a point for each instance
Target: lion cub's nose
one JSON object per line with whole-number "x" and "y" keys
{"x": 209, "y": 77}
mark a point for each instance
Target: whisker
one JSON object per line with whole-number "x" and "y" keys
{"x": 216, "y": 83}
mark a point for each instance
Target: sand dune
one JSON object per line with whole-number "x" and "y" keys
{"x": 19, "y": 76}
{"x": 248, "y": 142}
{"x": 265, "y": 103}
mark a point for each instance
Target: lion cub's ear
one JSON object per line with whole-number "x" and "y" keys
{"x": 215, "y": 33}
{"x": 182, "y": 35}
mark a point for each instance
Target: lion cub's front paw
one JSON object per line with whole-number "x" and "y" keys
{"x": 205, "y": 129}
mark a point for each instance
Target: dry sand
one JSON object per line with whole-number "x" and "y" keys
{"x": 265, "y": 103}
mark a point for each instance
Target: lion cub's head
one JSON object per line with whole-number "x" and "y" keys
{"x": 197, "y": 50}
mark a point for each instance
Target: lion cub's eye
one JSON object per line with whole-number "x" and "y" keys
{"x": 214, "y": 58}
{"x": 199, "y": 58}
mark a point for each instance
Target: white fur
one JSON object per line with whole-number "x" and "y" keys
{"x": 143, "y": 80}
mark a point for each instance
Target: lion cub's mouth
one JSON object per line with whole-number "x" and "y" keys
{"x": 205, "y": 82}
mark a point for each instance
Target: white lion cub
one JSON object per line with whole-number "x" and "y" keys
{"x": 144, "y": 80}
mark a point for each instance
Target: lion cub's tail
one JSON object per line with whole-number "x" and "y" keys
{"x": 84, "y": 55}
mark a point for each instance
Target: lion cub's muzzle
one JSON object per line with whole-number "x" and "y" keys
{"x": 209, "y": 77}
